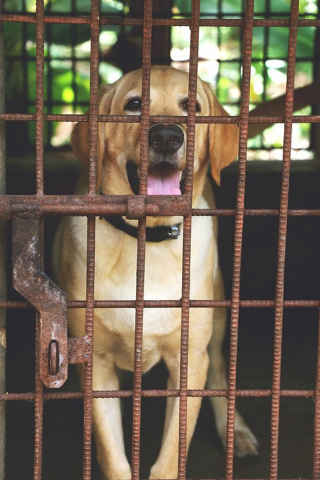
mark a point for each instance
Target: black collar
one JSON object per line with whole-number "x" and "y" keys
{"x": 154, "y": 234}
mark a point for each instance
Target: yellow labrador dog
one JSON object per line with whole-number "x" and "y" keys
{"x": 116, "y": 250}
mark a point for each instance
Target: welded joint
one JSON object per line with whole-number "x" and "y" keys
{"x": 51, "y": 302}
{"x": 137, "y": 207}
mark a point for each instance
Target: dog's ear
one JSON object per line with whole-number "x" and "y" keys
{"x": 223, "y": 138}
{"x": 80, "y": 134}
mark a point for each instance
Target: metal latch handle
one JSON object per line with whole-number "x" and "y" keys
{"x": 36, "y": 287}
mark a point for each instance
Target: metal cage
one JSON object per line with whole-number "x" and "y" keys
{"x": 28, "y": 213}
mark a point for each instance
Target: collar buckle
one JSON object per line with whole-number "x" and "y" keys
{"x": 173, "y": 232}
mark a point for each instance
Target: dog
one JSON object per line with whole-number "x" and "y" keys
{"x": 116, "y": 255}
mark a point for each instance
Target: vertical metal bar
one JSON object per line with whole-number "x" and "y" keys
{"x": 93, "y": 128}
{"x": 219, "y": 6}
{"x": 24, "y": 67}
{"x": 38, "y": 439}
{"x": 239, "y": 216}
{"x": 49, "y": 81}
{"x": 145, "y": 107}
{"x": 266, "y": 39}
{"x": 94, "y": 85}
{"x": 87, "y": 428}
{"x": 3, "y": 279}
{"x": 192, "y": 95}
{"x": 186, "y": 257}
{"x": 138, "y": 344}
{"x": 73, "y": 68}
{"x": 39, "y": 95}
{"x": 316, "y": 453}
{"x": 144, "y": 156}
{"x": 282, "y": 238}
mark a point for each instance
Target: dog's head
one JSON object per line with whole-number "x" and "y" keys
{"x": 119, "y": 144}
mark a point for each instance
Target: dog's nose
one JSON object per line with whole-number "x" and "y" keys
{"x": 165, "y": 138}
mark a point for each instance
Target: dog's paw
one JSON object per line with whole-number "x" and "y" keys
{"x": 245, "y": 443}
{"x": 170, "y": 470}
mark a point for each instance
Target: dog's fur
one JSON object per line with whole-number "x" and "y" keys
{"x": 115, "y": 271}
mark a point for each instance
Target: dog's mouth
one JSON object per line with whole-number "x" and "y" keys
{"x": 163, "y": 179}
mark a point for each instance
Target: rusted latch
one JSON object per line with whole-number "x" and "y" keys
{"x": 137, "y": 208}
{"x": 31, "y": 282}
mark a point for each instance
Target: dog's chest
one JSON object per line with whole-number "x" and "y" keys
{"x": 121, "y": 349}
{"x": 116, "y": 279}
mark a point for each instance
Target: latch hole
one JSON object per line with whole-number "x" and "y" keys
{"x": 53, "y": 357}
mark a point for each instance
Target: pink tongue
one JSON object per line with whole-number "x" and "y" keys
{"x": 163, "y": 179}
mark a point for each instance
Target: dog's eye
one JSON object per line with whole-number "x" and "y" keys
{"x": 184, "y": 105}
{"x": 133, "y": 105}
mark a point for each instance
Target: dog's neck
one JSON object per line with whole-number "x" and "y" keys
{"x": 153, "y": 234}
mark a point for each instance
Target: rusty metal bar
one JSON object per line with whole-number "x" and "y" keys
{"x": 94, "y": 107}
{"x": 66, "y": 117}
{"x": 138, "y": 346}
{"x": 38, "y": 438}
{"x": 154, "y": 205}
{"x": 186, "y": 255}
{"x": 3, "y": 259}
{"x": 11, "y": 397}
{"x": 178, "y": 22}
{"x": 256, "y": 212}
{"x": 282, "y": 237}
{"x": 246, "y": 47}
{"x": 38, "y": 407}
{"x": 316, "y": 442}
{"x": 87, "y": 428}
{"x": 89, "y": 322}
{"x": 39, "y": 95}
{"x": 141, "y": 244}
{"x": 238, "y": 237}
{"x": 98, "y": 205}
{"x": 171, "y": 304}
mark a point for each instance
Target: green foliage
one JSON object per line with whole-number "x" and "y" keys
{"x": 69, "y": 81}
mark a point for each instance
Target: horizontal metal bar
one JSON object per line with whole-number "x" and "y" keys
{"x": 255, "y": 212}
{"x": 155, "y": 205}
{"x": 26, "y": 117}
{"x": 156, "y": 393}
{"x": 176, "y": 22}
{"x": 31, "y": 58}
{"x": 82, "y": 205}
{"x": 171, "y": 304}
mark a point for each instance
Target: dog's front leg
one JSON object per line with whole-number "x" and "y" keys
{"x": 245, "y": 442}
{"x": 107, "y": 424}
{"x": 166, "y": 465}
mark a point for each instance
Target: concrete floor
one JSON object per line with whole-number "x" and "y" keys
{"x": 62, "y": 449}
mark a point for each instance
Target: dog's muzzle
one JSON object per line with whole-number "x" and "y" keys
{"x": 165, "y": 173}
{"x": 165, "y": 139}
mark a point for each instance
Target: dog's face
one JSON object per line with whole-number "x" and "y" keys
{"x": 119, "y": 143}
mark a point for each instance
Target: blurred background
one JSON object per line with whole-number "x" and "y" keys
{"x": 67, "y": 62}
